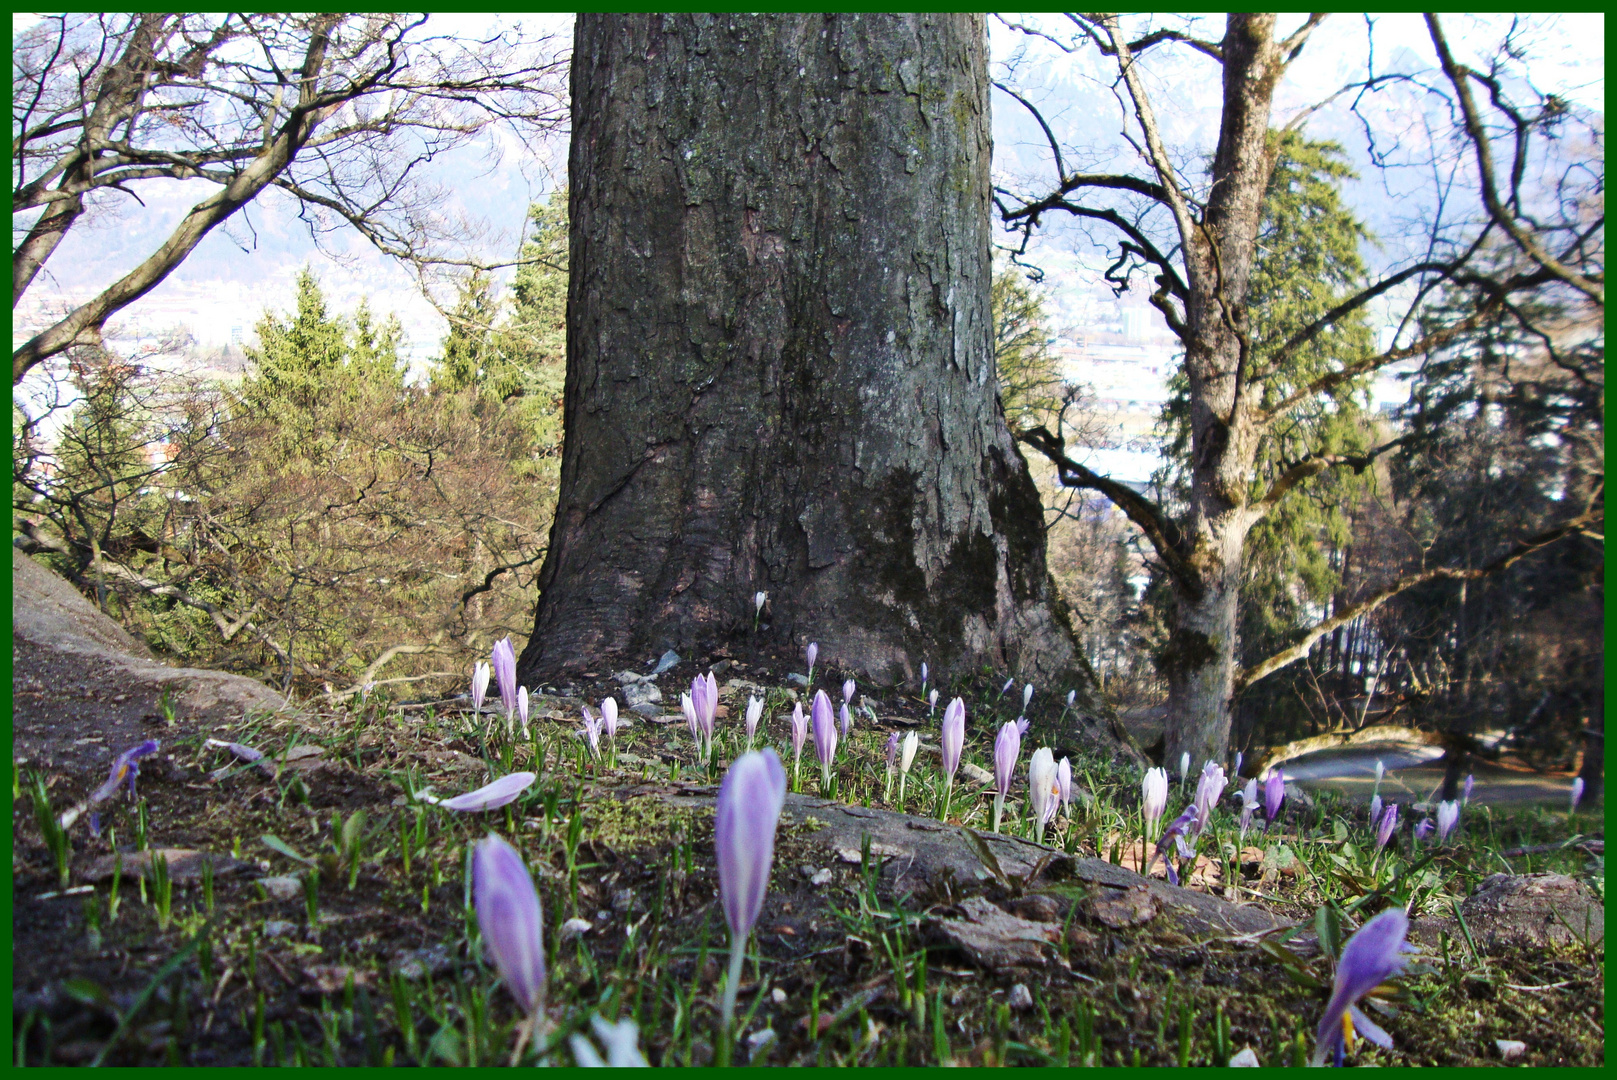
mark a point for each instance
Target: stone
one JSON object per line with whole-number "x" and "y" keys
{"x": 284, "y": 887}
{"x": 279, "y": 928}
{"x": 1123, "y": 908}
{"x": 820, "y": 877}
{"x": 1246, "y": 1059}
{"x": 413, "y": 965}
{"x": 333, "y": 978}
{"x": 1510, "y": 1049}
{"x": 573, "y": 928}
{"x": 976, "y": 774}
{"x": 759, "y": 1043}
{"x": 1020, "y": 998}
{"x": 184, "y": 865}
{"x": 641, "y": 693}
{"x": 1526, "y": 910}
{"x": 992, "y": 939}
{"x": 651, "y": 711}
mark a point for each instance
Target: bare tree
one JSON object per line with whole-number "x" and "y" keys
{"x": 1195, "y": 237}
{"x": 344, "y": 113}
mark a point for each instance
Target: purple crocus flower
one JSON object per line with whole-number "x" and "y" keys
{"x": 125, "y": 767}
{"x": 923, "y": 676}
{"x": 1249, "y": 803}
{"x": 1021, "y": 725}
{"x": 1375, "y": 810}
{"x": 1043, "y": 789}
{"x": 749, "y": 805}
{"x": 1374, "y": 954}
{"x": 1175, "y": 832}
{"x": 953, "y": 739}
{"x": 1389, "y": 823}
{"x": 1007, "y": 747}
{"x": 1577, "y": 793}
{"x": 508, "y": 913}
{"x": 799, "y": 733}
{"x": 825, "y": 735}
{"x": 480, "y": 676}
{"x": 755, "y": 712}
{"x": 1423, "y": 830}
{"x": 811, "y": 654}
{"x": 1274, "y": 793}
{"x": 505, "y": 674}
{"x": 1007, "y": 687}
{"x": 1448, "y": 816}
{"x": 592, "y": 731}
{"x": 1209, "y": 789}
{"x": 1153, "y": 796}
{"x": 1236, "y": 772}
{"x": 847, "y": 721}
{"x": 705, "y": 706}
{"x": 609, "y": 717}
{"x": 848, "y": 688}
{"x": 892, "y": 751}
{"x": 492, "y": 796}
{"x": 1465, "y": 795}
{"x": 688, "y": 707}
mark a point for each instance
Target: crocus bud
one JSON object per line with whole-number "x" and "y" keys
{"x": 522, "y": 706}
{"x": 847, "y": 692}
{"x": 1064, "y": 781}
{"x": 1448, "y": 816}
{"x": 592, "y": 731}
{"x": 1577, "y": 792}
{"x": 1184, "y": 764}
{"x": 609, "y": 717}
{"x": 1374, "y": 954}
{"x": 1007, "y": 747}
{"x": 811, "y": 654}
{"x": 1007, "y": 687}
{"x": 923, "y": 674}
{"x": 748, "y": 810}
{"x": 954, "y": 736}
{"x": 505, "y": 674}
{"x": 892, "y": 751}
{"x": 508, "y": 914}
{"x": 1380, "y": 771}
{"x": 1043, "y": 791}
{"x": 1470, "y": 782}
{"x": 758, "y": 601}
{"x": 1209, "y": 789}
{"x": 906, "y": 754}
{"x": 1237, "y": 770}
{"x": 480, "y": 677}
{"x": 688, "y": 707}
{"x": 1072, "y": 695}
{"x": 1375, "y": 810}
{"x": 1423, "y": 830}
{"x": 501, "y": 792}
{"x": 1274, "y": 793}
{"x": 1027, "y": 695}
{"x": 825, "y": 732}
{"x": 847, "y": 721}
{"x": 1154, "y": 795}
{"x": 932, "y": 700}
{"x": 755, "y": 710}
{"x": 799, "y": 730}
{"x": 1384, "y": 830}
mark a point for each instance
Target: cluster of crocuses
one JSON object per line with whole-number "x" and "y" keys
{"x": 513, "y": 697}
{"x": 700, "y": 707}
{"x": 1186, "y": 830}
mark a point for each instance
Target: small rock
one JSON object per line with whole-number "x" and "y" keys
{"x": 333, "y": 978}
{"x": 627, "y": 678}
{"x": 1510, "y": 1049}
{"x": 184, "y": 865}
{"x": 644, "y": 693}
{"x": 778, "y": 996}
{"x": 1534, "y": 909}
{"x": 1122, "y": 908}
{"x": 820, "y": 877}
{"x": 877, "y": 851}
{"x": 573, "y": 928}
{"x": 1020, "y": 999}
{"x": 413, "y": 965}
{"x": 1037, "y": 908}
{"x": 759, "y": 1043}
{"x": 279, "y": 928}
{"x": 668, "y": 660}
{"x": 976, "y": 774}
{"x": 1079, "y": 937}
{"x": 284, "y": 887}
{"x": 800, "y": 680}
{"x": 1246, "y": 1059}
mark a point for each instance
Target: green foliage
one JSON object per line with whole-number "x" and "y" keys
{"x": 1030, "y": 387}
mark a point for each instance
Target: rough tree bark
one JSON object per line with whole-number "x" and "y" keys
{"x": 779, "y": 372}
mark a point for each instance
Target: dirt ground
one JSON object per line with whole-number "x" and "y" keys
{"x": 851, "y": 966}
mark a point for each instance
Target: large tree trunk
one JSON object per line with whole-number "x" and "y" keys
{"x": 779, "y": 372}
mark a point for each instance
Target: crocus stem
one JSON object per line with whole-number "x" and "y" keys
{"x": 727, "y": 1011}
{"x": 999, "y": 808}
{"x": 901, "y": 778}
{"x": 948, "y": 790}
